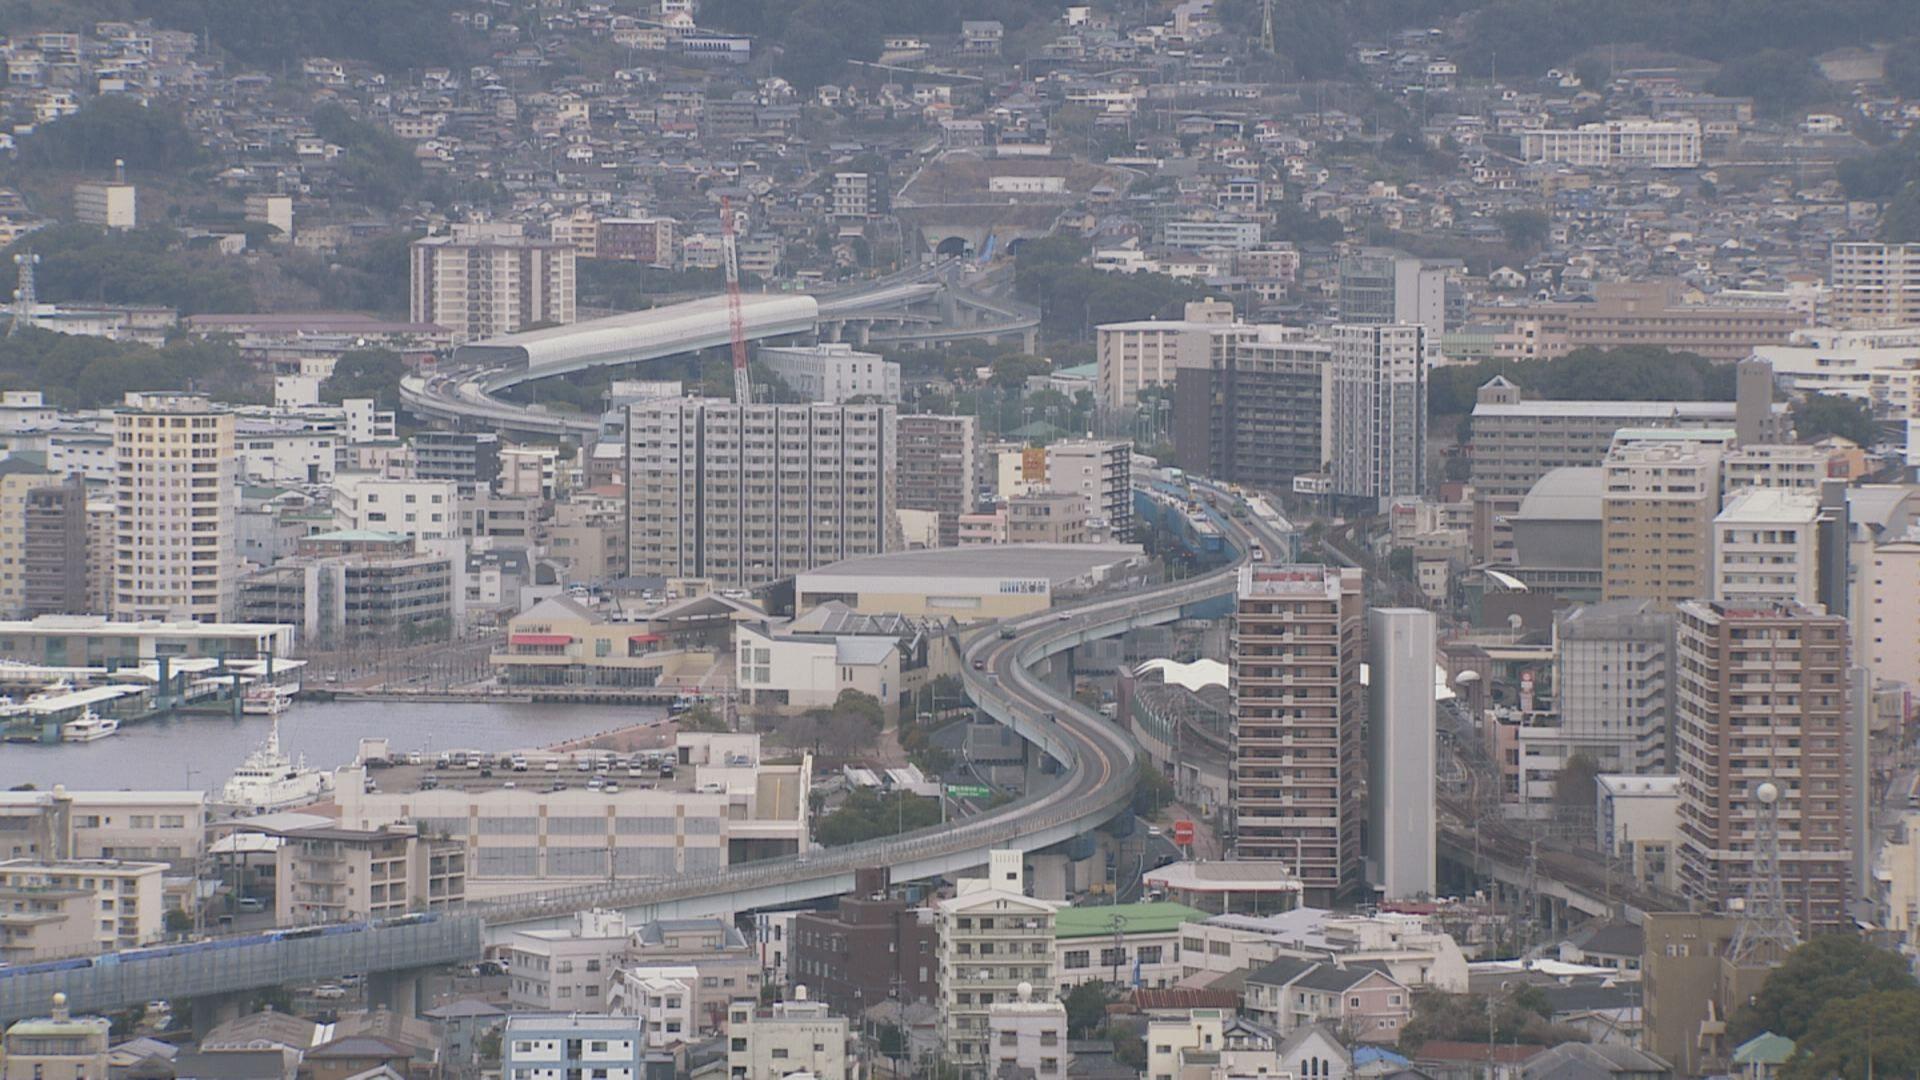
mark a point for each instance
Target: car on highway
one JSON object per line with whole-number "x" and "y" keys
{"x": 980, "y": 665}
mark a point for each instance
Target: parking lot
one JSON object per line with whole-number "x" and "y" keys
{"x": 538, "y": 770}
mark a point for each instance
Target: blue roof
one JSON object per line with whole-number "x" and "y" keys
{"x": 1367, "y": 1055}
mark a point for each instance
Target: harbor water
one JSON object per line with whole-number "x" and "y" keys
{"x": 199, "y": 752}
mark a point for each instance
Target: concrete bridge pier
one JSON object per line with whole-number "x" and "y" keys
{"x": 1030, "y": 340}
{"x": 400, "y": 992}
{"x": 211, "y": 1011}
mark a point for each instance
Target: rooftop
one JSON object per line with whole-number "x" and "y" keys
{"x": 1058, "y": 563}
{"x": 1147, "y": 918}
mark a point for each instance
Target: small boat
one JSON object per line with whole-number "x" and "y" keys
{"x": 266, "y": 700}
{"x": 88, "y": 728}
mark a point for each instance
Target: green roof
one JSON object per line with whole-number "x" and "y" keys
{"x": 1765, "y": 1048}
{"x": 1154, "y": 918}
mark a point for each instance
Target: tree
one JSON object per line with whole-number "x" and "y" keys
{"x": 1779, "y": 82}
{"x": 868, "y": 814}
{"x": 1829, "y": 968}
{"x": 1859, "y": 1037}
{"x": 177, "y": 921}
{"x": 108, "y": 129}
{"x": 1086, "y": 1009}
{"x": 487, "y": 1046}
{"x": 701, "y": 718}
{"x": 366, "y": 373}
{"x": 1526, "y": 229}
{"x": 1573, "y": 787}
{"x": 1900, "y": 222}
{"x": 861, "y": 707}
{"x": 1820, "y": 415}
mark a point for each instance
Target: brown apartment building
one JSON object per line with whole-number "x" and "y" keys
{"x": 1762, "y": 696}
{"x": 877, "y": 946}
{"x": 1296, "y": 781}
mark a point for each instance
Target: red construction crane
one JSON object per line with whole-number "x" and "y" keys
{"x": 736, "y": 322}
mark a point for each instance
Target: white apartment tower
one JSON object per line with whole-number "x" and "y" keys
{"x": 174, "y": 509}
{"x": 1376, "y": 422}
{"x": 995, "y": 946}
{"x": 1401, "y": 857}
{"x": 482, "y": 280}
{"x": 746, "y": 496}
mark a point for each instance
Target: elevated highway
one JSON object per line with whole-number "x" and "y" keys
{"x": 890, "y": 310}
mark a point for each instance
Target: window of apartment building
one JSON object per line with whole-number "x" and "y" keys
{"x": 1074, "y": 959}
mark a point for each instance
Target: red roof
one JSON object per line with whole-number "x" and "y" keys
{"x": 540, "y": 639}
{"x": 647, "y": 637}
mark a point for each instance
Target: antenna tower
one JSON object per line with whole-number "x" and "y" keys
{"x": 1266, "y": 26}
{"x": 736, "y": 322}
{"x": 1766, "y": 932}
{"x": 24, "y": 301}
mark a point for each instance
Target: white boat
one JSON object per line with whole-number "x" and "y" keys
{"x": 88, "y": 728}
{"x": 269, "y": 780}
{"x": 267, "y": 700}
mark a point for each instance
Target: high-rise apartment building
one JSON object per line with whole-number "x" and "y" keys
{"x": 481, "y": 280}
{"x": 746, "y": 496}
{"x": 939, "y": 468}
{"x": 1766, "y": 548}
{"x": 1100, "y": 471}
{"x": 18, "y": 477}
{"x": 1762, "y": 696}
{"x": 1296, "y": 774}
{"x": 54, "y": 552}
{"x": 1874, "y": 285}
{"x": 1132, "y": 356}
{"x": 1253, "y": 414}
{"x": 1402, "y": 856}
{"x": 1380, "y": 286}
{"x": 175, "y": 495}
{"x": 1376, "y": 427}
{"x": 1657, "y": 511}
{"x": 1613, "y": 679}
{"x": 993, "y": 939}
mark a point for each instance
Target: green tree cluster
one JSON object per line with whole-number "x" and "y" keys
{"x": 278, "y": 34}
{"x": 1530, "y": 36}
{"x": 868, "y": 814}
{"x": 1520, "y": 1016}
{"x": 1781, "y": 83}
{"x": 1831, "y": 968}
{"x": 1634, "y": 373}
{"x": 148, "y": 265}
{"x": 816, "y": 38}
{"x": 379, "y": 164}
{"x": 89, "y": 372}
{"x": 1073, "y": 297}
{"x": 149, "y": 139}
{"x": 366, "y": 373}
{"x": 1819, "y": 415}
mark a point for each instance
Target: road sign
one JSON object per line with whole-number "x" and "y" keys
{"x": 1183, "y": 833}
{"x": 968, "y": 791}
